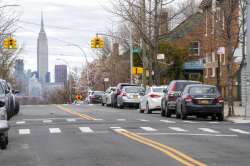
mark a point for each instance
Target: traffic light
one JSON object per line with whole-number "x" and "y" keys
{"x": 93, "y": 43}
{"x": 14, "y": 44}
{"x": 102, "y": 44}
{"x": 97, "y": 42}
{"x": 6, "y": 44}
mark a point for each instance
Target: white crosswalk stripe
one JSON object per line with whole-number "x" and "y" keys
{"x": 24, "y": 131}
{"x": 208, "y": 130}
{"x": 214, "y": 122}
{"x": 47, "y": 121}
{"x": 143, "y": 120}
{"x": 71, "y": 120}
{"x": 86, "y": 130}
{"x": 239, "y": 131}
{"x": 121, "y": 119}
{"x": 54, "y": 130}
{"x": 167, "y": 121}
{"x": 178, "y": 129}
{"x": 192, "y": 122}
{"x": 20, "y": 122}
{"x": 148, "y": 129}
{"x": 115, "y": 127}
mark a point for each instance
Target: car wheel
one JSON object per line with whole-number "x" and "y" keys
{"x": 147, "y": 109}
{"x": 4, "y": 143}
{"x": 168, "y": 112}
{"x": 141, "y": 110}
{"x": 183, "y": 116}
{"x": 103, "y": 104}
{"x": 220, "y": 117}
{"x": 17, "y": 108}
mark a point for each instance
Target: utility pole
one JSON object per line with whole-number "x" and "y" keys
{"x": 131, "y": 48}
{"x": 143, "y": 44}
{"x": 248, "y": 60}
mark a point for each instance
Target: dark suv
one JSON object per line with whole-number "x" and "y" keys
{"x": 168, "y": 101}
{"x": 118, "y": 91}
{"x": 11, "y": 104}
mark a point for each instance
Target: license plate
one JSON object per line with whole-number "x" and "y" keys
{"x": 204, "y": 102}
{"x": 135, "y": 97}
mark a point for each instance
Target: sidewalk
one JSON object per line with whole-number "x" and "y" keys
{"x": 239, "y": 114}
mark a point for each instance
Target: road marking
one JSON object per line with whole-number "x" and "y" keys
{"x": 47, "y": 121}
{"x": 214, "y": 122}
{"x": 54, "y": 130}
{"x": 192, "y": 122}
{"x": 98, "y": 119}
{"x": 177, "y": 129}
{"x": 169, "y": 151}
{"x": 239, "y": 131}
{"x": 148, "y": 129}
{"x": 167, "y": 121}
{"x": 208, "y": 130}
{"x": 115, "y": 127}
{"x": 71, "y": 120}
{"x": 20, "y": 122}
{"x": 83, "y": 116}
{"x": 143, "y": 120}
{"x": 24, "y": 131}
{"x": 191, "y": 134}
{"x": 121, "y": 119}
{"x": 86, "y": 130}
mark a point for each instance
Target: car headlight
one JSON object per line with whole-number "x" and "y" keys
{"x": 3, "y": 114}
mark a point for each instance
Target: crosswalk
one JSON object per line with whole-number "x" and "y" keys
{"x": 146, "y": 129}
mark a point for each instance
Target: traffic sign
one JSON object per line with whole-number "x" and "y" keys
{"x": 137, "y": 70}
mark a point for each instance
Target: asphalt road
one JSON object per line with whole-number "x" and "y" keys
{"x": 92, "y": 135}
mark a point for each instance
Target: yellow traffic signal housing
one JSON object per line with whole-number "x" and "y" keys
{"x": 102, "y": 43}
{"x": 93, "y": 43}
{"x": 14, "y": 46}
{"x": 6, "y": 44}
{"x": 97, "y": 42}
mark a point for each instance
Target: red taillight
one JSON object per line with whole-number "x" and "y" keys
{"x": 188, "y": 99}
{"x": 124, "y": 94}
{"x": 154, "y": 96}
{"x": 171, "y": 96}
{"x": 118, "y": 92}
{"x": 220, "y": 100}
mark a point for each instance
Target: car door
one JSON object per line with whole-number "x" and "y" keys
{"x": 144, "y": 99}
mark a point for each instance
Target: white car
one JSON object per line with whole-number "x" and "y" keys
{"x": 152, "y": 99}
{"x": 106, "y": 98}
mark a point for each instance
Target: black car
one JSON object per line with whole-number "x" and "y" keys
{"x": 201, "y": 101}
{"x": 96, "y": 97}
{"x": 168, "y": 101}
{"x": 118, "y": 91}
{"x": 12, "y": 106}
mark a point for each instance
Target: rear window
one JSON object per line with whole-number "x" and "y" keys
{"x": 98, "y": 93}
{"x": 181, "y": 85}
{"x": 158, "y": 90}
{"x": 199, "y": 90}
{"x": 133, "y": 89}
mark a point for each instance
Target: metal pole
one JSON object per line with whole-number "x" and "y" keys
{"x": 248, "y": 59}
{"x": 131, "y": 52}
{"x": 70, "y": 88}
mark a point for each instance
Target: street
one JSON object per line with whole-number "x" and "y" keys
{"x": 92, "y": 135}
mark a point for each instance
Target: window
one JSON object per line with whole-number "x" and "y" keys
{"x": 195, "y": 48}
{"x": 213, "y": 72}
{"x": 209, "y": 58}
{"x": 206, "y": 71}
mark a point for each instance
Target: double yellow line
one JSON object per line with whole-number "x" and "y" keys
{"x": 81, "y": 115}
{"x": 175, "y": 154}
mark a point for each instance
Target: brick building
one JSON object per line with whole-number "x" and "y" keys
{"x": 202, "y": 33}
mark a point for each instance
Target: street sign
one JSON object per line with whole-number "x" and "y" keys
{"x": 106, "y": 79}
{"x": 221, "y": 51}
{"x": 137, "y": 70}
{"x": 160, "y": 56}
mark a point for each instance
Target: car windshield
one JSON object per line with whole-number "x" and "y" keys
{"x": 158, "y": 89}
{"x": 200, "y": 90}
{"x": 181, "y": 85}
{"x": 133, "y": 89}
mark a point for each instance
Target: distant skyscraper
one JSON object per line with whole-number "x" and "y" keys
{"x": 19, "y": 67}
{"x": 42, "y": 54}
{"x": 61, "y": 73}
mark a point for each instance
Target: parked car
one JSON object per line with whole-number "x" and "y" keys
{"x": 95, "y": 97}
{"x": 152, "y": 99}
{"x": 9, "y": 95}
{"x": 130, "y": 96}
{"x": 168, "y": 101}
{"x": 106, "y": 98}
{"x": 16, "y": 102}
{"x": 118, "y": 91}
{"x": 201, "y": 101}
{"x": 3, "y": 120}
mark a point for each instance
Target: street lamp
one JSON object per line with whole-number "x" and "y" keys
{"x": 70, "y": 85}
{"x": 85, "y": 56}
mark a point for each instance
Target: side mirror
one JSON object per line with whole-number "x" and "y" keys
{"x": 2, "y": 103}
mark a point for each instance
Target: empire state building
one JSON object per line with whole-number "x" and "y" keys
{"x": 42, "y": 55}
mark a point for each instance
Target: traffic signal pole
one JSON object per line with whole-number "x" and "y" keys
{"x": 248, "y": 62}
{"x": 131, "y": 53}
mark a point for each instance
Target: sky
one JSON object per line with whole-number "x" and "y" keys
{"x": 66, "y": 21}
